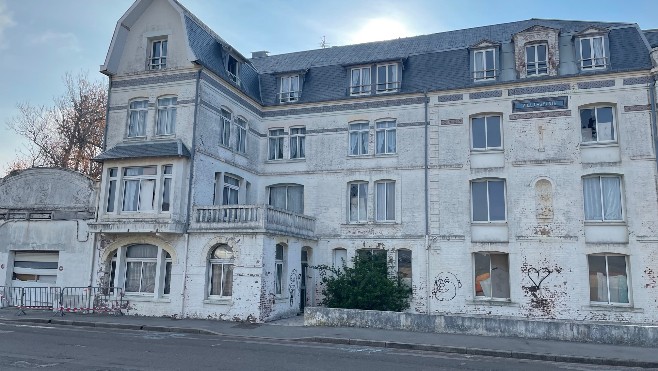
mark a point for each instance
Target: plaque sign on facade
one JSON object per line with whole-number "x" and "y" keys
{"x": 540, "y": 104}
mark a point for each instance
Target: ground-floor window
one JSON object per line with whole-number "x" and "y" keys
{"x": 279, "y": 262}
{"x": 404, "y": 266}
{"x": 608, "y": 279}
{"x": 221, "y": 272}
{"x": 141, "y": 269}
{"x": 35, "y": 267}
{"x": 491, "y": 275}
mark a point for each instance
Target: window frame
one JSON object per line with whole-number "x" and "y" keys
{"x": 287, "y": 186}
{"x": 389, "y": 86}
{"x": 162, "y": 59}
{"x": 487, "y": 180}
{"x": 162, "y": 277}
{"x": 275, "y": 142}
{"x": 486, "y": 118}
{"x": 475, "y": 281}
{"x": 289, "y": 95}
{"x": 279, "y": 269}
{"x": 172, "y": 108}
{"x": 622, "y": 210}
{"x": 362, "y": 89}
{"x": 595, "y": 108}
{"x": 359, "y": 219}
{"x": 485, "y": 69}
{"x": 112, "y": 190}
{"x": 225, "y": 122}
{"x": 386, "y": 183}
{"x": 164, "y": 173}
{"x": 385, "y": 130}
{"x": 234, "y": 76}
{"x": 299, "y": 138}
{"x": 607, "y": 273}
{"x": 222, "y": 262}
{"x": 399, "y": 273}
{"x": 240, "y": 134}
{"x": 229, "y": 189}
{"x": 359, "y": 133}
{"x": 536, "y": 62}
{"x": 141, "y": 179}
{"x": 138, "y": 110}
{"x": 167, "y": 175}
{"x": 591, "y": 43}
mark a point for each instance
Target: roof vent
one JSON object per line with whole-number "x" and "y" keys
{"x": 260, "y": 54}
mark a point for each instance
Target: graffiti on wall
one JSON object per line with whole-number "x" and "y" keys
{"x": 446, "y": 285}
{"x": 542, "y": 299}
{"x": 293, "y": 285}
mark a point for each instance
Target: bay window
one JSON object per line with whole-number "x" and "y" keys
{"x": 142, "y": 189}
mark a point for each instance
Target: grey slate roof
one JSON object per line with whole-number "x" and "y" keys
{"x": 652, "y": 36}
{"x": 140, "y": 150}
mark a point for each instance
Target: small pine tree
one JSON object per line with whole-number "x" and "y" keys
{"x": 366, "y": 285}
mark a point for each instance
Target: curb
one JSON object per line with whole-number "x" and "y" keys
{"x": 358, "y": 342}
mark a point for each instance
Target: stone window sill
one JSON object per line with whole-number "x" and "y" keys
{"x": 492, "y": 302}
{"x": 603, "y": 307}
{"x": 218, "y": 301}
{"x": 144, "y": 298}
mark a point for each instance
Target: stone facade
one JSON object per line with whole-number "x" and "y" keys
{"x": 191, "y": 229}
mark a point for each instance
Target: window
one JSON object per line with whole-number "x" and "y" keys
{"x": 486, "y": 133}
{"x": 387, "y": 78}
{"x": 231, "y": 190}
{"x": 360, "y": 82}
{"x": 290, "y": 91}
{"x": 166, "y": 116}
{"x": 279, "y": 261}
{"x": 339, "y": 258}
{"x": 275, "y": 150}
{"x": 240, "y": 134}
{"x": 488, "y": 200}
{"x": 146, "y": 270}
{"x": 359, "y": 138}
{"x": 536, "y": 60}
{"x": 358, "y": 202}
{"x": 225, "y": 128}
{"x": 297, "y": 142}
{"x": 372, "y": 254}
{"x": 233, "y": 69}
{"x": 602, "y": 195}
{"x": 137, "y": 118}
{"x": 385, "y": 137}
{"x": 592, "y": 53}
{"x": 288, "y": 197}
{"x": 597, "y": 125}
{"x": 491, "y": 275}
{"x": 404, "y": 266}
{"x": 158, "y": 59}
{"x": 166, "y": 187}
{"x": 112, "y": 174}
{"x": 608, "y": 279}
{"x": 484, "y": 65}
{"x": 141, "y": 188}
{"x": 385, "y": 201}
{"x": 221, "y": 272}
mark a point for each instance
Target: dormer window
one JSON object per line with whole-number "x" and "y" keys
{"x": 233, "y": 69}
{"x": 360, "y": 81}
{"x": 484, "y": 64}
{"x": 290, "y": 91}
{"x": 536, "y": 59}
{"x": 592, "y": 53}
{"x": 158, "y": 57}
{"x": 388, "y": 78}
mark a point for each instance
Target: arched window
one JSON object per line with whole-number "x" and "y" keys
{"x": 221, "y": 271}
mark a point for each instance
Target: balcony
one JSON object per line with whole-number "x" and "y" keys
{"x": 251, "y": 218}
{"x": 137, "y": 225}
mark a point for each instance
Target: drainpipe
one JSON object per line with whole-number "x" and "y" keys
{"x": 107, "y": 111}
{"x": 427, "y": 206}
{"x": 654, "y": 129}
{"x": 189, "y": 192}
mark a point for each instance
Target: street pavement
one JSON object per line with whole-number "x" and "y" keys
{"x": 508, "y": 353}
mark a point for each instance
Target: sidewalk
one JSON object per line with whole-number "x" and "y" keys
{"x": 292, "y": 329}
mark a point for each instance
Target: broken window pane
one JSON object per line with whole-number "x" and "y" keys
{"x": 492, "y": 275}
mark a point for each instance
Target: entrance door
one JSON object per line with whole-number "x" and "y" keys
{"x": 302, "y": 294}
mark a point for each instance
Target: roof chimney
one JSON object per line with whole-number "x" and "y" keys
{"x": 259, "y": 54}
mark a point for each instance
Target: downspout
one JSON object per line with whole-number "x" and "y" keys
{"x": 107, "y": 111}
{"x": 189, "y": 192}
{"x": 427, "y": 206}
{"x": 654, "y": 129}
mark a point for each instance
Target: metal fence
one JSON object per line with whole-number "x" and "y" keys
{"x": 64, "y": 300}
{"x": 92, "y": 300}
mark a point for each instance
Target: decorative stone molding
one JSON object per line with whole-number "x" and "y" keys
{"x": 452, "y": 122}
{"x": 486, "y": 94}
{"x": 637, "y": 108}
{"x": 450, "y": 98}
{"x": 539, "y": 89}
{"x": 596, "y": 84}
{"x": 536, "y": 35}
{"x": 539, "y": 115}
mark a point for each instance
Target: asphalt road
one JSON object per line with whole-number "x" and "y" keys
{"x": 69, "y": 348}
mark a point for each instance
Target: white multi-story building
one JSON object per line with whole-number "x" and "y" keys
{"x": 506, "y": 170}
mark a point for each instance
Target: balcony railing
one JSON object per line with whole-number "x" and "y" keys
{"x": 253, "y": 218}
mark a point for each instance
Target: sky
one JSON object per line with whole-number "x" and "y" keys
{"x": 41, "y": 40}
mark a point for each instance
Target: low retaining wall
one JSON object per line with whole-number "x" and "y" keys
{"x": 581, "y": 331}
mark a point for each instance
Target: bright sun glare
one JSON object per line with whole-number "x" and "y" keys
{"x": 378, "y": 29}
